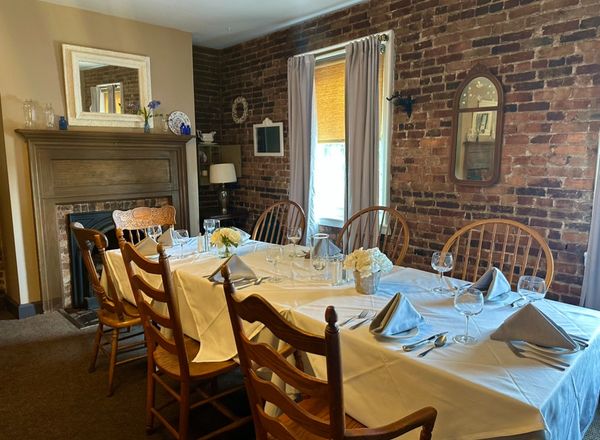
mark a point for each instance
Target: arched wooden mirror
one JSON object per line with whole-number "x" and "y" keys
{"x": 477, "y": 129}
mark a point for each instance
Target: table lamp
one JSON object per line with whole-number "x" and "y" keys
{"x": 222, "y": 173}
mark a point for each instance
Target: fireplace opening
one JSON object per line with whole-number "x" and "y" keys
{"x": 82, "y": 293}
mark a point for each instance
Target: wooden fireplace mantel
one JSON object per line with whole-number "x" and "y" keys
{"x": 93, "y": 166}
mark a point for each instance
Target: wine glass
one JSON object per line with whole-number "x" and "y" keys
{"x": 154, "y": 232}
{"x": 274, "y": 255}
{"x": 181, "y": 237}
{"x": 469, "y": 302}
{"x": 531, "y": 288}
{"x": 293, "y": 234}
{"x": 442, "y": 263}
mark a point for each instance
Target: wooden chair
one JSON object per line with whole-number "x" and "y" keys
{"x": 114, "y": 313}
{"x": 376, "y": 226}
{"x": 512, "y": 247}
{"x": 171, "y": 355}
{"x": 320, "y": 416}
{"x": 133, "y": 223}
{"x": 270, "y": 226}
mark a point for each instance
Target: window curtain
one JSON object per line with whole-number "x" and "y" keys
{"x": 362, "y": 124}
{"x": 301, "y": 75}
{"x": 590, "y": 291}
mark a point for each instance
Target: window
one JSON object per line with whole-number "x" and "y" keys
{"x": 329, "y": 154}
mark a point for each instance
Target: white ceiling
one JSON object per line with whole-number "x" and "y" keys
{"x": 215, "y": 23}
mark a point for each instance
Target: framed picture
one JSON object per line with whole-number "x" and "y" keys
{"x": 268, "y": 138}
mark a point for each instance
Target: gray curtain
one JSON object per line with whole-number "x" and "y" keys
{"x": 301, "y": 73}
{"x": 362, "y": 124}
{"x": 590, "y": 291}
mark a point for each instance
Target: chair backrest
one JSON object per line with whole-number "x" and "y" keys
{"x": 133, "y": 223}
{"x": 87, "y": 239}
{"x": 512, "y": 247}
{"x": 376, "y": 226}
{"x": 272, "y": 223}
{"x": 254, "y": 355}
{"x": 156, "y": 305}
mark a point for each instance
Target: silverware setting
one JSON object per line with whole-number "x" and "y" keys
{"x": 363, "y": 321}
{"x": 249, "y": 283}
{"x": 361, "y": 315}
{"x": 411, "y": 347}
{"x": 544, "y": 359}
{"x": 439, "y": 342}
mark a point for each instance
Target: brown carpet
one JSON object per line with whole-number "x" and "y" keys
{"x": 47, "y": 393}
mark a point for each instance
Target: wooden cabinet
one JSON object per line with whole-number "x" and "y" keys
{"x": 209, "y": 154}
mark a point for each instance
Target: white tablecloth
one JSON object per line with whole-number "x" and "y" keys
{"x": 480, "y": 391}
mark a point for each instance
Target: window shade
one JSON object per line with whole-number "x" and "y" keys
{"x": 329, "y": 87}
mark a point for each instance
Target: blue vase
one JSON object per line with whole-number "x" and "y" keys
{"x": 62, "y": 123}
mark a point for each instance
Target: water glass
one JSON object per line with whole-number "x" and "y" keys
{"x": 273, "y": 256}
{"x": 336, "y": 264}
{"x": 442, "y": 263}
{"x": 210, "y": 225}
{"x": 154, "y": 232}
{"x": 531, "y": 288}
{"x": 468, "y": 302}
{"x": 319, "y": 252}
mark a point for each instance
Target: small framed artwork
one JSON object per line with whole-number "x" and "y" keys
{"x": 268, "y": 138}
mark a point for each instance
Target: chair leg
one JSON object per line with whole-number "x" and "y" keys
{"x": 97, "y": 340}
{"x": 114, "y": 345}
{"x": 184, "y": 410}
{"x": 150, "y": 387}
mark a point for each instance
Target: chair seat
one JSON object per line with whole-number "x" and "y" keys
{"x": 317, "y": 408}
{"x": 168, "y": 363}
{"x": 131, "y": 317}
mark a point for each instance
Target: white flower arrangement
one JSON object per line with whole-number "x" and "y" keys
{"x": 368, "y": 262}
{"x": 225, "y": 237}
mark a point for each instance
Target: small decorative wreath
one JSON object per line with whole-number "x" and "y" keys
{"x": 235, "y": 114}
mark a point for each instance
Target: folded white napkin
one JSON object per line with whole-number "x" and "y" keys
{"x": 167, "y": 237}
{"x": 397, "y": 316}
{"x": 529, "y": 324}
{"x": 332, "y": 249}
{"x": 237, "y": 268}
{"x": 493, "y": 284}
{"x": 244, "y": 236}
{"x": 147, "y": 247}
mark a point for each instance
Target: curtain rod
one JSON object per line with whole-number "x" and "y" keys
{"x": 383, "y": 37}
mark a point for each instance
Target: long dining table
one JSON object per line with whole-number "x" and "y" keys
{"x": 480, "y": 391}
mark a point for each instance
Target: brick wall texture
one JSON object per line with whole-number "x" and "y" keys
{"x": 546, "y": 54}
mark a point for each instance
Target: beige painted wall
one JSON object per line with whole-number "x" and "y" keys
{"x": 31, "y": 34}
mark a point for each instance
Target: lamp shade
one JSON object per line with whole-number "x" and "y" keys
{"x": 222, "y": 173}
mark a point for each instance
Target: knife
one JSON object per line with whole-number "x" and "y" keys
{"x": 523, "y": 354}
{"x": 410, "y": 347}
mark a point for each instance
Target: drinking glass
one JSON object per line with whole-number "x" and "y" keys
{"x": 181, "y": 237}
{"x": 274, "y": 255}
{"x": 210, "y": 224}
{"x": 154, "y": 232}
{"x": 293, "y": 235}
{"x": 319, "y": 252}
{"x": 531, "y": 288}
{"x": 442, "y": 263}
{"x": 468, "y": 302}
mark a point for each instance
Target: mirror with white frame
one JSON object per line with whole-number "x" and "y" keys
{"x": 105, "y": 88}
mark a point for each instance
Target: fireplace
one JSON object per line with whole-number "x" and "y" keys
{"x": 89, "y": 171}
{"x": 82, "y": 295}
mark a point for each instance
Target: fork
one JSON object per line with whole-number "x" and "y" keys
{"x": 361, "y": 315}
{"x": 524, "y": 354}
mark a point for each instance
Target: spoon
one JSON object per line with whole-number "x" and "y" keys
{"x": 440, "y": 341}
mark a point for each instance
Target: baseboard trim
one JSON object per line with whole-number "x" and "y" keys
{"x": 21, "y": 311}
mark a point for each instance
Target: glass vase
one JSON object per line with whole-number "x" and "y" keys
{"x": 367, "y": 285}
{"x": 146, "y": 126}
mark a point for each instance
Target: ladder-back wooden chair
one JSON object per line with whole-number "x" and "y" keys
{"x": 133, "y": 223}
{"x": 512, "y": 247}
{"x": 376, "y": 226}
{"x": 171, "y": 355}
{"x": 272, "y": 223}
{"x": 117, "y": 314}
{"x": 320, "y": 416}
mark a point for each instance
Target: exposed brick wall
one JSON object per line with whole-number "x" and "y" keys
{"x": 112, "y": 74}
{"x": 547, "y": 56}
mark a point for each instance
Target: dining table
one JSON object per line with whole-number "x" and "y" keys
{"x": 480, "y": 391}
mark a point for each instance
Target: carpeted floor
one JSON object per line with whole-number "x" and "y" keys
{"x": 47, "y": 393}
